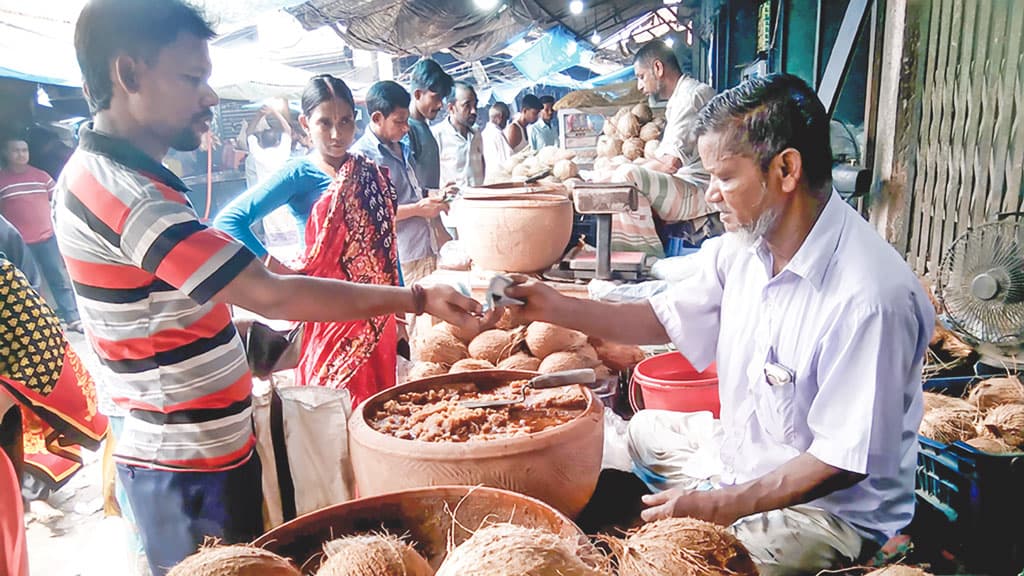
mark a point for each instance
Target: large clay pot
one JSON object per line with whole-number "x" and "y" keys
{"x": 428, "y": 515}
{"x": 514, "y": 233}
{"x": 559, "y": 465}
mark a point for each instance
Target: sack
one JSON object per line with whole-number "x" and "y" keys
{"x": 302, "y": 440}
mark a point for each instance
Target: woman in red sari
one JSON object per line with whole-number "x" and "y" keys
{"x": 350, "y": 235}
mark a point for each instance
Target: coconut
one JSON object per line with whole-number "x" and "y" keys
{"x": 660, "y": 122}
{"x": 520, "y": 361}
{"x": 651, "y": 148}
{"x": 642, "y": 112}
{"x": 507, "y": 320}
{"x": 559, "y": 361}
{"x": 618, "y": 357}
{"x": 470, "y": 365}
{"x": 493, "y": 345}
{"x": 565, "y": 169}
{"x": 543, "y": 339}
{"x": 602, "y": 164}
{"x": 510, "y": 550}
{"x": 609, "y": 128}
{"x": 548, "y": 155}
{"x": 439, "y": 346}
{"x": 947, "y": 425}
{"x": 650, "y": 132}
{"x": 608, "y": 146}
{"x": 1005, "y": 423}
{"x": 990, "y": 445}
{"x": 898, "y": 570}
{"x": 602, "y": 373}
{"x": 465, "y": 335}
{"x": 633, "y": 148}
{"x": 993, "y": 392}
{"x": 234, "y": 561}
{"x": 681, "y": 547}
{"x": 628, "y": 126}
{"x": 933, "y": 401}
{"x": 588, "y": 351}
{"x": 372, "y": 555}
{"x": 426, "y": 370}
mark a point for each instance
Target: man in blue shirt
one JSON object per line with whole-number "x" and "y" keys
{"x": 388, "y": 105}
{"x": 545, "y": 132}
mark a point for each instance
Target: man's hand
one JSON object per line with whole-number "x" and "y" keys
{"x": 431, "y": 207}
{"x": 679, "y": 503}
{"x": 542, "y": 301}
{"x": 446, "y": 303}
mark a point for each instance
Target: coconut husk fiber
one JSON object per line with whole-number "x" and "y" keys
{"x": 990, "y": 445}
{"x": 372, "y": 555}
{"x": 947, "y": 425}
{"x": 933, "y": 400}
{"x": 681, "y": 547}
{"x": 898, "y": 570}
{"x": 1005, "y": 423}
{"x": 992, "y": 392}
{"x": 510, "y": 550}
{"x": 234, "y": 561}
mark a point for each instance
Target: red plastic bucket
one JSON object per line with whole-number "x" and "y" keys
{"x": 670, "y": 382}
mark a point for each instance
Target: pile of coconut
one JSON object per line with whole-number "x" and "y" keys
{"x": 529, "y": 163}
{"x": 536, "y": 347}
{"x": 375, "y": 554}
{"x": 631, "y": 135}
{"x": 215, "y": 560}
{"x": 681, "y": 547}
{"x": 990, "y": 418}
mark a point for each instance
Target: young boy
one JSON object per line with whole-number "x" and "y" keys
{"x": 25, "y": 194}
{"x": 388, "y": 105}
{"x": 430, "y": 85}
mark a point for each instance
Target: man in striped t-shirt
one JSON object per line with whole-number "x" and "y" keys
{"x": 153, "y": 282}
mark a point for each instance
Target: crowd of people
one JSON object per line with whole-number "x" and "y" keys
{"x": 817, "y": 326}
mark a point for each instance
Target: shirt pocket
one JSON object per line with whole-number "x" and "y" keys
{"x": 774, "y": 406}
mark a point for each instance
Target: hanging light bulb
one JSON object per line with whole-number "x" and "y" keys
{"x": 595, "y": 38}
{"x": 669, "y": 42}
{"x": 485, "y": 4}
{"x": 576, "y": 7}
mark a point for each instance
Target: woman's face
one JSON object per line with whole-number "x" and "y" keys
{"x": 331, "y": 127}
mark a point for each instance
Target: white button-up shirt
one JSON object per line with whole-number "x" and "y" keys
{"x": 679, "y": 141}
{"x": 851, "y": 321}
{"x": 496, "y": 150}
{"x": 462, "y": 157}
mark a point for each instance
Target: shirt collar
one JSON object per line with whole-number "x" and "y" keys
{"x": 124, "y": 152}
{"x": 385, "y": 149}
{"x": 814, "y": 256}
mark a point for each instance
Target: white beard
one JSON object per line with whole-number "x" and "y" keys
{"x": 750, "y": 234}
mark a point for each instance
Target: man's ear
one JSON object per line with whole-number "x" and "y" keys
{"x": 658, "y": 68}
{"x": 124, "y": 73}
{"x": 790, "y": 167}
{"x": 377, "y": 117}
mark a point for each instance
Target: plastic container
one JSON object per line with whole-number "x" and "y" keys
{"x": 970, "y": 502}
{"x": 669, "y": 382}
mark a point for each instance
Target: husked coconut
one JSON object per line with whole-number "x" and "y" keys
{"x": 993, "y": 392}
{"x": 681, "y": 547}
{"x": 642, "y": 112}
{"x": 616, "y": 356}
{"x": 628, "y": 126}
{"x": 440, "y": 347}
{"x": 602, "y": 372}
{"x": 372, "y": 555}
{"x": 558, "y": 361}
{"x": 548, "y": 155}
{"x": 493, "y": 345}
{"x": 650, "y": 132}
{"x": 543, "y": 339}
{"x": 510, "y": 550}
{"x": 933, "y": 400}
{"x": 507, "y": 320}
{"x": 947, "y": 425}
{"x": 609, "y": 128}
{"x": 238, "y": 560}
{"x": 465, "y": 335}
{"x": 660, "y": 122}
{"x": 608, "y": 146}
{"x": 520, "y": 361}
{"x": 565, "y": 169}
{"x": 470, "y": 365}
{"x": 1005, "y": 423}
{"x": 422, "y": 370}
{"x": 586, "y": 350}
{"x": 633, "y": 148}
{"x": 651, "y": 148}
{"x": 990, "y": 445}
{"x": 602, "y": 164}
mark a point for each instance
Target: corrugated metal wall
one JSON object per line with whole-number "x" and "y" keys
{"x": 970, "y": 133}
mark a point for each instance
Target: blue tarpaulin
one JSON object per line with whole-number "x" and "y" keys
{"x": 557, "y": 50}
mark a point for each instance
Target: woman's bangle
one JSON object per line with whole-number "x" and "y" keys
{"x": 419, "y": 299}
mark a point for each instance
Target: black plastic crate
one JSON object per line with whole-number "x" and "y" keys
{"x": 971, "y": 502}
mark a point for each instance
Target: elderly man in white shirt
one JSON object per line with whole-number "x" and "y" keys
{"x": 459, "y": 144}
{"x": 818, "y": 328}
{"x": 495, "y": 144}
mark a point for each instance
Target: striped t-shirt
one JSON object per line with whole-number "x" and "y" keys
{"x": 144, "y": 270}
{"x": 25, "y": 202}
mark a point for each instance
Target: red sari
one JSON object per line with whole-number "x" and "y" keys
{"x": 351, "y": 236}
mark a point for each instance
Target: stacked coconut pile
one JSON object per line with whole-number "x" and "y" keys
{"x": 538, "y": 347}
{"x": 633, "y": 134}
{"x": 991, "y": 418}
{"x": 529, "y": 163}
{"x": 945, "y": 349}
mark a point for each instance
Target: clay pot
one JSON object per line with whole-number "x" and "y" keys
{"x": 558, "y": 466}
{"x": 514, "y": 233}
{"x": 427, "y": 515}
